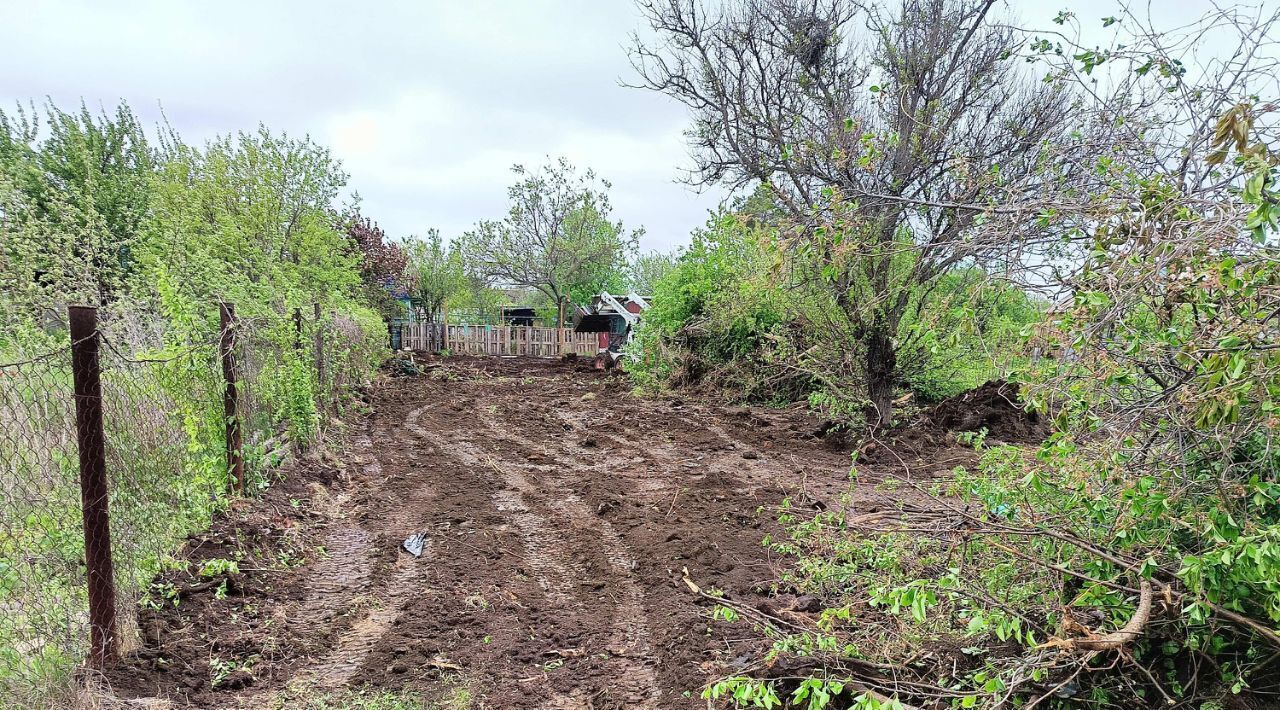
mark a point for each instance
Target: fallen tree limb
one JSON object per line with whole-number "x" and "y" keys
{"x": 1117, "y": 639}
{"x": 1267, "y": 634}
{"x": 981, "y": 527}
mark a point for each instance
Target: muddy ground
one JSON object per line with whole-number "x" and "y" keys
{"x": 561, "y": 514}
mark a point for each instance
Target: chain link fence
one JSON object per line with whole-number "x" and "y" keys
{"x": 43, "y": 599}
{"x": 166, "y": 454}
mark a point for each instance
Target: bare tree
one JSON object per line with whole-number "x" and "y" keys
{"x": 1165, "y": 201}
{"x": 886, "y": 135}
{"x": 556, "y": 237}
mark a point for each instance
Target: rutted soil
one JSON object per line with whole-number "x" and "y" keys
{"x": 561, "y": 516}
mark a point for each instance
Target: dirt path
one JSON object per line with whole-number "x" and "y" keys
{"x": 559, "y": 513}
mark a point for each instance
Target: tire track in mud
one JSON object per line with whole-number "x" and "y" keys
{"x": 627, "y": 436}
{"x": 544, "y": 538}
{"x": 650, "y": 489}
{"x": 663, "y": 485}
{"x": 556, "y": 560}
{"x": 380, "y": 603}
{"x": 560, "y": 511}
{"x": 343, "y": 573}
{"x": 646, "y": 459}
{"x": 353, "y": 647}
{"x": 631, "y": 627}
{"x": 554, "y": 572}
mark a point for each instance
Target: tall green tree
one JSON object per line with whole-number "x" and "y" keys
{"x": 558, "y": 236}
{"x": 435, "y": 273}
{"x": 250, "y": 218}
{"x": 86, "y": 180}
{"x": 646, "y": 270}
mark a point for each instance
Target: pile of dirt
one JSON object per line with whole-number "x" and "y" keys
{"x": 995, "y": 407}
{"x": 928, "y": 444}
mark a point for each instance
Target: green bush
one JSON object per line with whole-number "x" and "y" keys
{"x": 156, "y": 237}
{"x": 714, "y": 309}
{"x": 739, "y": 311}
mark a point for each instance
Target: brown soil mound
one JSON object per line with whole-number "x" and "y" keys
{"x": 927, "y": 445}
{"x": 994, "y": 407}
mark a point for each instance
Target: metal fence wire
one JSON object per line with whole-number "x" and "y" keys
{"x": 43, "y": 597}
{"x": 166, "y": 459}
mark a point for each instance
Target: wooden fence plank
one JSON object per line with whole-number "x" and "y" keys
{"x": 497, "y": 340}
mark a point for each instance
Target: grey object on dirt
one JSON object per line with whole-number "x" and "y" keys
{"x": 413, "y": 544}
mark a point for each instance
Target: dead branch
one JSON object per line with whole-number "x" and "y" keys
{"x": 1116, "y": 639}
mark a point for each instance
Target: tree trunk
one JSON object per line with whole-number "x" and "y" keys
{"x": 881, "y": 364}
{"x": 560, "y": 334}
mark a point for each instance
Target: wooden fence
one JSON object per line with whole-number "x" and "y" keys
{"x": 497, "y": 340}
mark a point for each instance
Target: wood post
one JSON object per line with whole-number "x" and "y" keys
{"x": 444, "y": 324}
{"x": 230, "y": 403}
{"x": 560, "y": 327}
{"x": 94, "y": 495}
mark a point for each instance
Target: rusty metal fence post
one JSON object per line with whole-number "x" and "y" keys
{"x": 91, "y": 441}
{"x": 230, "y": 403}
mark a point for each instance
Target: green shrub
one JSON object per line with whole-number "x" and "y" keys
{"x": 156, "y": 237}
{"x": 739, "y": 311}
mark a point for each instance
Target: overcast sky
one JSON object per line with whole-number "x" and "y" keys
{"x": 428, "y": 104}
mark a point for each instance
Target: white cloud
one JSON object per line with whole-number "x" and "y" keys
{"x": 428, "y": 104}
{"x": 434, "y": 148}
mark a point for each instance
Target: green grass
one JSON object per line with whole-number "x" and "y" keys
{"x": 457, "y": 695}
